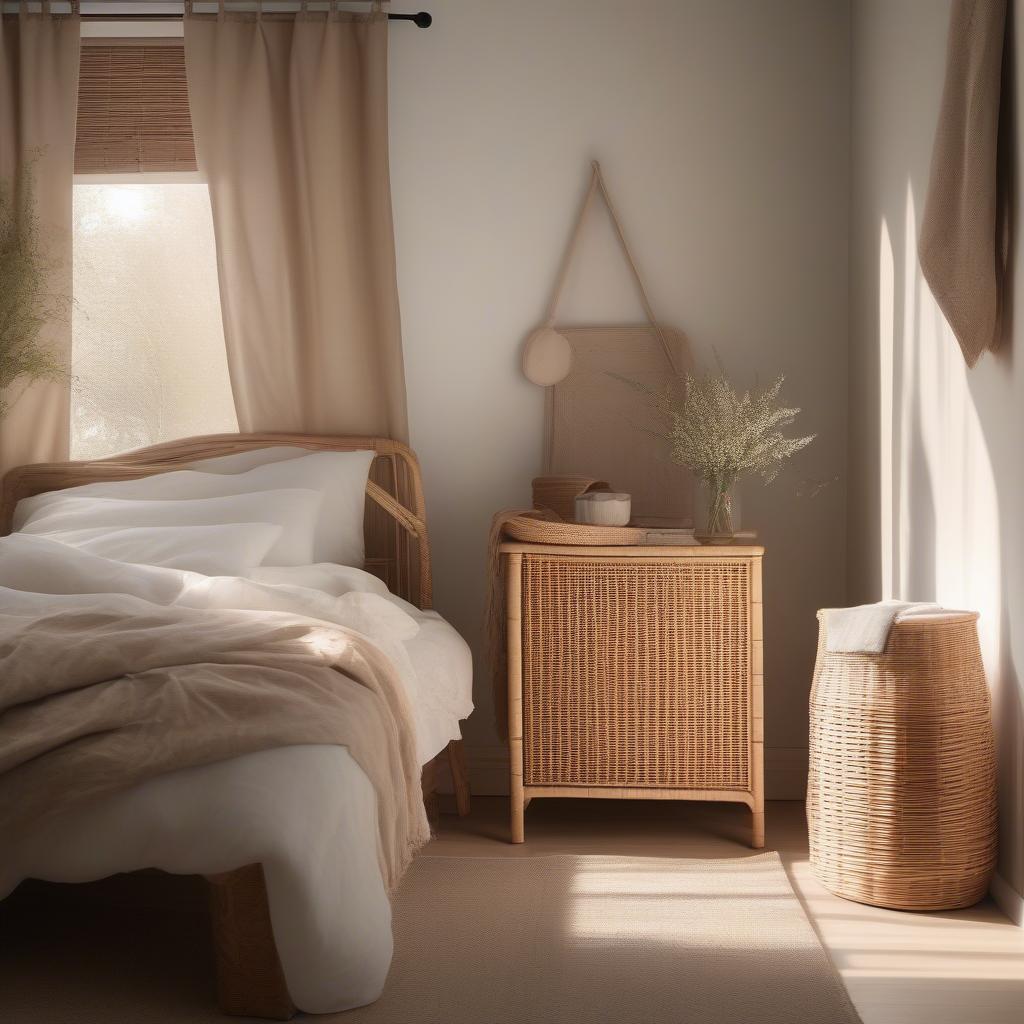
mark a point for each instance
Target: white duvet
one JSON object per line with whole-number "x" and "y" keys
{"x": 307, "y": 813}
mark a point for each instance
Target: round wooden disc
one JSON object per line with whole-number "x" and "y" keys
{"x": 547, "y": 357}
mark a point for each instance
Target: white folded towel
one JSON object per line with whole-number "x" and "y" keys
{"x": 865, "y": 629}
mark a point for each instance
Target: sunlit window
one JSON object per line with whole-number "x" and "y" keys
{"x": 148, "y": 357}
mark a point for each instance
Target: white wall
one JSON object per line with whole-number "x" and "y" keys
{"x": 936, "y": 496}
{"x": 722, "y": 127}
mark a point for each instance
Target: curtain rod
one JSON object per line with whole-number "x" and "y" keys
{"x": 421, "y": 19}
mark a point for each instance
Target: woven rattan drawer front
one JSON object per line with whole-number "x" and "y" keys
{"x": 636, "y": 672}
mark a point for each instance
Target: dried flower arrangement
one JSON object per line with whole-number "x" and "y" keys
{"x": 27, "y": 303}
{"x": 721, "y": 435}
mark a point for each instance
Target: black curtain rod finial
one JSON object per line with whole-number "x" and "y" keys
{"x": 421, "y": 19}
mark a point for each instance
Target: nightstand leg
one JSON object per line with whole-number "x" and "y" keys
{"x": 757, "y": 789}
{"x": 514, "y": 639}
{"x": 518, "y": 809}
{"x": 757, "y": 828}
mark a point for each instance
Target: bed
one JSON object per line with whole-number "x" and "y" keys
{"x": 270, "y": 827}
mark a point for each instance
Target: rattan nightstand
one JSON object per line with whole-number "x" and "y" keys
{"x": 635, "y": 673}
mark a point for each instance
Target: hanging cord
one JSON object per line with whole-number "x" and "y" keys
{"x": 596, "y": 184}
{"x": 570, "y": 249}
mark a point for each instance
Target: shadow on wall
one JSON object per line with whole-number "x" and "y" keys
{"x": 950, "y": 491}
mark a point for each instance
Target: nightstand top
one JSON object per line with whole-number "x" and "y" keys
{"x": 636, "y": 550}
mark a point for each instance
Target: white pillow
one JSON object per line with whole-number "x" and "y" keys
{"x": 231, "y": 550}
{"x": 295, "y": 511}
{"x": 239, "y": 462}
{"x": 339, "y": 476}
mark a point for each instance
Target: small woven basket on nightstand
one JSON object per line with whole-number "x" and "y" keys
{"x": 558, "y": 493}
{"x": 901, "y": 800}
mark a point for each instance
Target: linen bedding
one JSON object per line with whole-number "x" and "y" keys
{"x": 249, "y": 487}
{"x": 278, "y": 717}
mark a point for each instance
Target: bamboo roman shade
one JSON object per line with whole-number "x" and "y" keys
{"x": 133, "y": 110}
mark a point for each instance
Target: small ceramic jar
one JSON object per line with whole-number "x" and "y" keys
{"x": 603, "y": 508}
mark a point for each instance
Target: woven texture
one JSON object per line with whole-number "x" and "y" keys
{"x": 636, "y": 676}
{"x": 901, "y": 800}
{"x": 530, "y": 530}
{"x": 133, "y": 112}
{"x": 558, "y": 493}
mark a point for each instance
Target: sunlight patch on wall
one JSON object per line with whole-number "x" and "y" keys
{"x": 966, "y": 548}
{"x": 943, "y": 532}
{"x": 908, "y": 508}
{"x": 148, "y": 356}
{"x": 886, "y": 314}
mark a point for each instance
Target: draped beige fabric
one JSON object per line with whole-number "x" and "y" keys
{"x": 290, "y": 121}
{"x": 38, "y": 90}
{"x": 964, "y": 232}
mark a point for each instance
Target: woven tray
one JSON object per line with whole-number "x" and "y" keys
{"x": 531, "y": 530}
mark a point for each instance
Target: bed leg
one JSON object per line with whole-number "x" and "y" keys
{"x": 250, "y": 980}
{"x": 428, "y": 781}
{"x": 460, "y": 776}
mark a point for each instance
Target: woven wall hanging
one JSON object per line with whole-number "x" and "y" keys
{"x": 595, "y": 425}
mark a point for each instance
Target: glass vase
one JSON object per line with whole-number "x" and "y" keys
{"x": 717, "y": 511}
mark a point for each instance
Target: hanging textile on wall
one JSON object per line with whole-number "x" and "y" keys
{"x": 964, "y": 240}
{"x": 595, "y": 424}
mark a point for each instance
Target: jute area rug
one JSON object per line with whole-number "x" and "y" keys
{"x": 478, "y": 940}
{"x": 586, "y": 939}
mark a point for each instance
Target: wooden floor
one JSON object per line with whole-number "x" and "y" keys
{"x": 962, "y": 967}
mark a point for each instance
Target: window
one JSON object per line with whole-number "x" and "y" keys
{"x": 148, "y": 356}
{"x": 148, "y": 360}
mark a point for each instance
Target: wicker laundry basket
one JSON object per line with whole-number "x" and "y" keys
{"x": 901, "y": 801}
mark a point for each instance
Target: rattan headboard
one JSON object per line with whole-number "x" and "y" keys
{"x": 397, "y": 547}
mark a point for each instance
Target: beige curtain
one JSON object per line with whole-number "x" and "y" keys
{"x": 38, "y": 99}
{"x": 290, "y": 122}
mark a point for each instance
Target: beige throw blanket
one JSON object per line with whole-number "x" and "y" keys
{"x": 101, "y": 691}
{"x": 964, "y": 232}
